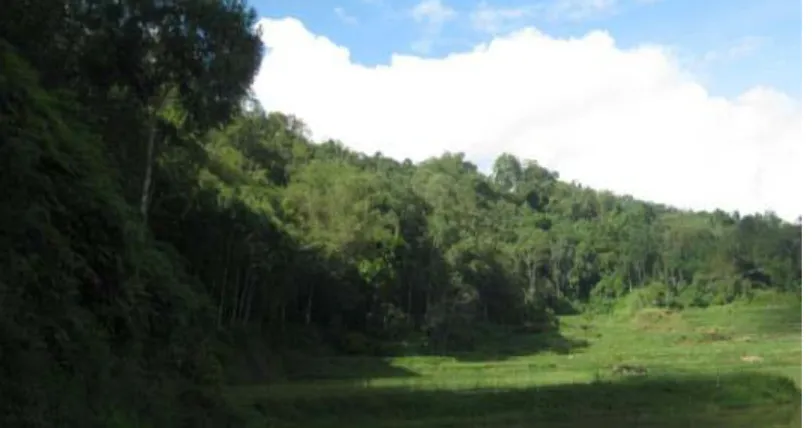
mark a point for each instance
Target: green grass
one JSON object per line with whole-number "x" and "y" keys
{"x": 696, "y": 364}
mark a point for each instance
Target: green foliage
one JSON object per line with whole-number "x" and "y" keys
{"x": 652, "y": 296}
{"x": 89, "y": 302}
{"x": 152, "y": 228}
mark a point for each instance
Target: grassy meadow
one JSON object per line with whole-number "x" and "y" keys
{"x": 727, "y": 366}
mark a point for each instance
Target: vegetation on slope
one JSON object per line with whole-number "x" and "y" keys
{"x": 158, "y": 226}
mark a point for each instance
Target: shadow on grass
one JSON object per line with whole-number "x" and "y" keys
{"x": 295, "y": 367}
{"x": 496, "y": 345}
{"x": 735, "y": 400}
{"x": 489, "y": 343}
{"x": 500, "y": 347}
{"x": 344, "y": 368}
{"x": 265, "y": 367}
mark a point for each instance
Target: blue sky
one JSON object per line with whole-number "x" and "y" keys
{"x": 730, "y": 45}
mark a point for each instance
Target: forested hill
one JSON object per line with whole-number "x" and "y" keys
{"x": 149, "y": 219}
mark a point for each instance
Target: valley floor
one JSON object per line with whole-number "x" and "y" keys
{"x": 731, "y": 366}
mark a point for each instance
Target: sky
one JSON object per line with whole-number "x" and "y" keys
{"x": 695, "y": 104}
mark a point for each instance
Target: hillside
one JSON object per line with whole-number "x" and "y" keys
{"x": 164, "y": 240}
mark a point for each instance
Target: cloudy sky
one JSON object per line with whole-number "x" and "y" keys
{"x": 686, "y": 102}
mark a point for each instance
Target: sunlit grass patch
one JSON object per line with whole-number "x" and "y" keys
{"x": 724, "y": 366}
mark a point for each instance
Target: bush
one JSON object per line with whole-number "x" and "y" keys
{"x": 355, "y": 343}
{"x": 656, "y": 295}
{"x": 694, "y": 295}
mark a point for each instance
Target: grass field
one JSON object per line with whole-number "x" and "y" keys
{"x": 731, "y": 366}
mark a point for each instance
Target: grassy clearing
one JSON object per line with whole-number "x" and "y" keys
{"x": 733, "y": 366}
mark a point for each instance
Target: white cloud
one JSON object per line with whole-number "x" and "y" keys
{"x": 432, "y": 15}
{"x": 629, "y": 120}
{"x": 741, "y": 48}
{"x": 344, "y": 17}
{"x": 432, "y": 11}
{"x": 577, "y": 10}
{"x": 494, "y": 20}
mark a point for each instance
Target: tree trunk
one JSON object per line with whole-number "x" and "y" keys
{"x": 235, "y": 304}
{"x": 220, "y": 307}
{"x": 249, "y": 299}
{"x": 224, "y": 281}
{"x": 151, "y": 143}
{"x": 247, "y": 292}
{"x": 410, "y": 279}
{"x": 147, "y": 183}
{"x": 309, "y": 308}
{"x": 283, "y": 315}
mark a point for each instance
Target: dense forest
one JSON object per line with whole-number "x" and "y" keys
{"x": 155, "y": 221}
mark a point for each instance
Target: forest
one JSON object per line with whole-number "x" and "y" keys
{"x": 156, "y": 224}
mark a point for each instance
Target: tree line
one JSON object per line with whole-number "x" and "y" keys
{"x": 152, "y": 212}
